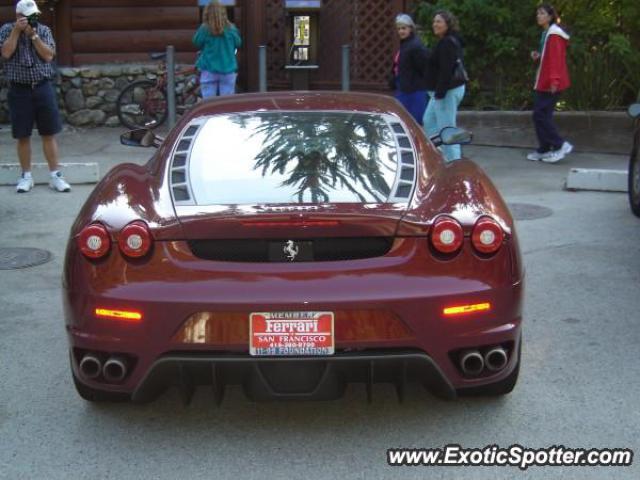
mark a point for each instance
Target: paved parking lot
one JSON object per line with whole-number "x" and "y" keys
{"x": 578, "y": 385}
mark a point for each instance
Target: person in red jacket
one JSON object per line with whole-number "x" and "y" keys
{"x": 551, "y": 79}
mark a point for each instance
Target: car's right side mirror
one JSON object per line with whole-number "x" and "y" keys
{"x": 141, "y": 137}
{"x": 634, "y": 110}
{"x": 452, "y": 136}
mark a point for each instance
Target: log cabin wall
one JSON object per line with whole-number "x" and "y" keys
{"x": 92, "y": 32}
{"x": 106, "y": 31}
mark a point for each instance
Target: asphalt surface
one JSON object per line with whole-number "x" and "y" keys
{"x": 578, "y": 385}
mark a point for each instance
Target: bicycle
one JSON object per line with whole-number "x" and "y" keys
{"x": 143, "y": 103}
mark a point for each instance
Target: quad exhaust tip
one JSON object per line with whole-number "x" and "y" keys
{"x": 90, "y": 366}
{"x": 114, "y": 370}
{"x": 471, "y": 362}
{"x": 495, "y": 359}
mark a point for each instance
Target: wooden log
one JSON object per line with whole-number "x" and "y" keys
{"x": 7, "y": 14}
{"x": 79, "y": 59}
{"x": 113, "y": 41}
{"x": 137, "y": 3}
{"x": 135, "y": 18}
{"x": 63, "y": 33}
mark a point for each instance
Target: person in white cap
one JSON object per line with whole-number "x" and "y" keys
{"x": 28, "y": 49}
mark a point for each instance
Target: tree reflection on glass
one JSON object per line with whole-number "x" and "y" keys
{"x": 321, "y": 151}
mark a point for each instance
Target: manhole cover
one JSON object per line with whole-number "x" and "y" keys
{"x": 529, "y": 211}
{"x": 13, "y": 258}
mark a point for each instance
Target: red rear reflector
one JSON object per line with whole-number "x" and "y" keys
{"x": 94, "y": 241}
{"x": 135, "y": 240}
{"x": 447, "y": 235}
{"x": 293, "y": 223}
{"x": 127, "y": 315}
{"x": 463, "y": 309}
{"x": 487, "y": 236}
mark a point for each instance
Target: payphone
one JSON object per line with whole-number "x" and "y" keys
{"x": 302, "y": 40}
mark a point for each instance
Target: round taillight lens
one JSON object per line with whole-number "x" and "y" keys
{"x": 94, "y": 241}
{"x": 447, "y": 235}
{"x": 135, "y": 240}
{"x": 487, "y": 236}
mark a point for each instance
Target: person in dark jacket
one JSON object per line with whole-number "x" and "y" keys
{"x": 408, "y": 69}
{"x": 445, "y": 91}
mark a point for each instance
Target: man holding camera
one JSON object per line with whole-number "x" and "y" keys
{"x": 28, "y": 49}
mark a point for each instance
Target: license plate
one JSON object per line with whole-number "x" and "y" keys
{"x": 291, "y": 333}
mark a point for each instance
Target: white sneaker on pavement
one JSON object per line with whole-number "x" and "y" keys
{"x": 554, "y": 156}
{"x": 25, "y": 183}
{"x": 566, "y": 148}
{"x": 535, "y": 156}
{"x": 58, "y": 183}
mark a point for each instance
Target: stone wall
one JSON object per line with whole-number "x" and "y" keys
{"x": 87, "y": 95}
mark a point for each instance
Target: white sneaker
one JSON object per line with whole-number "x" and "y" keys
{"x": 566, "y": 148}
{"x": 553, "y": 157}
{"x": 24, "y": 184}
{"x": 58, "y": 183}
{"x": 535, "y": 156}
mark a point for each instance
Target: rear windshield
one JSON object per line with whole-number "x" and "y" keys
{"x": 294, "y": 157}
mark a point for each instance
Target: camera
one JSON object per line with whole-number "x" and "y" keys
{"x": 33, "y": 20}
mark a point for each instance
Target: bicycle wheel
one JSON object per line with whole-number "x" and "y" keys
{"x": 142, "y": 105}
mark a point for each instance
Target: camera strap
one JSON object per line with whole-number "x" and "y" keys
{"x": 26, "y": 51}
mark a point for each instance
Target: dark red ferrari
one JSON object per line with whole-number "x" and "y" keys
{"x": 293, "y": 243}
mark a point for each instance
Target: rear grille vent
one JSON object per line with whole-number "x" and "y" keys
{"x": 179, "y": 168}
{"x": 401, "y": 190}
{"x": 309, "y": 250}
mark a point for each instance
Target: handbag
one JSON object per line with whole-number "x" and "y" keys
{"x": 460, "y": 74}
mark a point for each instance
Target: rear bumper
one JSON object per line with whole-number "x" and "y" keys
{"x": 409, "y": 283}
{"x": 301, "y": 378}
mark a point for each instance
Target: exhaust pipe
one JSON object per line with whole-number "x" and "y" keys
{"x": 471, "y": 362}
{"x": 114, "y": 370}
{"x": 496, "y": 359}
{"x": 90, "y": 366}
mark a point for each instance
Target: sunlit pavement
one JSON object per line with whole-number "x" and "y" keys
{"x": 578, "y": 385}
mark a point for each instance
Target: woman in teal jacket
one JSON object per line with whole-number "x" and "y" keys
{"x": 217, "y": 39}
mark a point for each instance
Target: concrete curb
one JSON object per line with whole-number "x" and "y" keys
{"x": 597, "y": 179}
{"x": 602, "y": 132}
{"x": 74, "y": 173}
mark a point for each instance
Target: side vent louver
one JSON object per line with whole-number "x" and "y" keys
{"x": 406, "y": 178}
{"x": 179, "y": 168}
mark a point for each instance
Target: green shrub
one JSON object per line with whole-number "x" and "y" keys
{"x": 603, "y": 57}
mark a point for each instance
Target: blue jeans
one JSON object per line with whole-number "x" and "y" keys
{"x": 415, "y": 103}
{"x": 441, "y": 113}
{"x": 544, "y": 104}
{"x": 213, "y": 84}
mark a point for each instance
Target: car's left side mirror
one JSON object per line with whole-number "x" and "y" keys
{"x": 634, "y": 110}
{"x": 452, "y": 136}
{"x": 141, "y": 138}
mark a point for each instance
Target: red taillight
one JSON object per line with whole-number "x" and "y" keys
{"x": 135, "y": 240}
{"x": 487, "y": 236}
{"x": 447, "y": 235}
{"x": 94, "y": 241}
